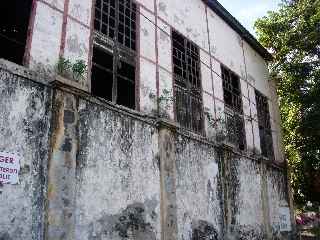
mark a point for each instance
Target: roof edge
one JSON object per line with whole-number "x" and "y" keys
{"x": 215, "y": 6}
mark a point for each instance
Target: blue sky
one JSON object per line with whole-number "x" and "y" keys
{"x": 247, "y": 11}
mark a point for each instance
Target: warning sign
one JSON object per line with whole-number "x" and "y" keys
{"x": 9, "y": 168}
{"x": 285, "y": 223}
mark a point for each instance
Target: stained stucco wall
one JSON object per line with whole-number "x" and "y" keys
{"x": 198, "y": 190}
{"x": 118, "y": 179}
{"x": 91, "y": 170}
{"x": 25, "y": 110}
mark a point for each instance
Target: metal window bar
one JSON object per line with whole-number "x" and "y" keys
{"x": 231, "y": 89}
{"x": 187, "y": 83}
{"x": 234, "y": 113}
{"x": 115, "y": 34}
{"x": 266, "y": 141}
{"x": 116, "y": 19}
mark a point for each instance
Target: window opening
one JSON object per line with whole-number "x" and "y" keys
{"x": 234, "y": 118}
{"x": 187, "y": 83}
{"x": 114, "y": 56}
{"x": 14, "y": 22}
{"x": 265, "y": 132}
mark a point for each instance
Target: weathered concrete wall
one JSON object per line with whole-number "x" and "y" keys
{"x": 25, "y": 110}
{"x": 91, "y": 170}
{"x": 278, "y": 198}
{"x": 118, "y": 182}
{"x": 245, "y": 187}
{"x": 198, "y": 191}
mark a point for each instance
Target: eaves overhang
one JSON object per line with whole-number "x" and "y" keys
{"x": 215, "y": 6}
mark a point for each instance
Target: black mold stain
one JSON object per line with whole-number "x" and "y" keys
{"x": 67, "y": 145}
{"x": 5, "y": 236}
{"x": 131, "y": 223}
{"x": 202, "y": 230}
{"x": 68, "y": 117}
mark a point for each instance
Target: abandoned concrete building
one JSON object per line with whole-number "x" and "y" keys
{"x": 137, "y": 120}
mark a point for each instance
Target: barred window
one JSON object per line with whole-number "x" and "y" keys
{"x": 14, "y": 22}
{"x": 265, "y": 132}
{"x": 114, "y": 56}
{"x": 233, "y": 111}
{"x": 187, "y": 83}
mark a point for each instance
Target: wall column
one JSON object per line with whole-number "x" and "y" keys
{"x": 62, "y": 168}
{"x": 169, "y": 226}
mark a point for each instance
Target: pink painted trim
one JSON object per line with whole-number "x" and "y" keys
{"x": 91, "y": 37}
{"x": 64, "y": 28}
{"x": 172, "y": 76}
{"x": 157, "y": 51}
{"x": 137, "y": 73}
{"x": 211, "y": 65}
{"x": 62, "y": 12}
{"x": 147, "y": 9}
{"x": 27, "y": 54}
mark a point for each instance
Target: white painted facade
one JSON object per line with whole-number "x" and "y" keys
{"x": 65, "y": 28}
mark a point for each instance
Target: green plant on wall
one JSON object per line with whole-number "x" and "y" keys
{"x": 76, "y": 70}
{"x": 63, "y": 66}
{"x": 79, "y": 69}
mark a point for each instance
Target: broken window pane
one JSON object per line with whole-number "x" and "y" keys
{"x": 187, "y": 87}
{"x": 114, "y": 59}
{"x": 265, "y": 132}
{"x": 14, "y": 21}
{"x": 234, "y": 113}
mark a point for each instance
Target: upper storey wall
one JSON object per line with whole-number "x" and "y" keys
{"x": 63, "y": 28}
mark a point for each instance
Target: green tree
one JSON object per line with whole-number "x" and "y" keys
{"x": 292, "y": 34}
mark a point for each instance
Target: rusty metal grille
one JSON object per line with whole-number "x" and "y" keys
{"x": 187, "y": 83}
{"x": 231, "y": 89}
{"x": 116, "y": 19}
{"x": 234, "y": 118}
{"x": 114, "y": 56}
{"x": 265, "y": 132}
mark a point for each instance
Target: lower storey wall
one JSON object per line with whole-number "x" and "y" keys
{"x": 93, "y": 171}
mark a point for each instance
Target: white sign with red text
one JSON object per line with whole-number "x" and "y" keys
{"x": 9, "y": 168}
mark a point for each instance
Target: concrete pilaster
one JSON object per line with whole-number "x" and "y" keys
{"x": 168, "y": 183}
{"x": 62, "y": 167}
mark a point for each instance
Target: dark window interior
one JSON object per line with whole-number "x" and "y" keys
{"x": 113, "y": 67}
{"x": 126, "y": 85}
{"x": 188, "y": 98}
{"x": 14, "y": 22}
{"x": 102, "y": 77}
{"x": 266, "y": 141}
{"x": 234, "y": 118}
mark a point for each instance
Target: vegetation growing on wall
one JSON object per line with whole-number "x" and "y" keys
{"x": 76, "y": 70}
{"x": 293, "y": 36}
